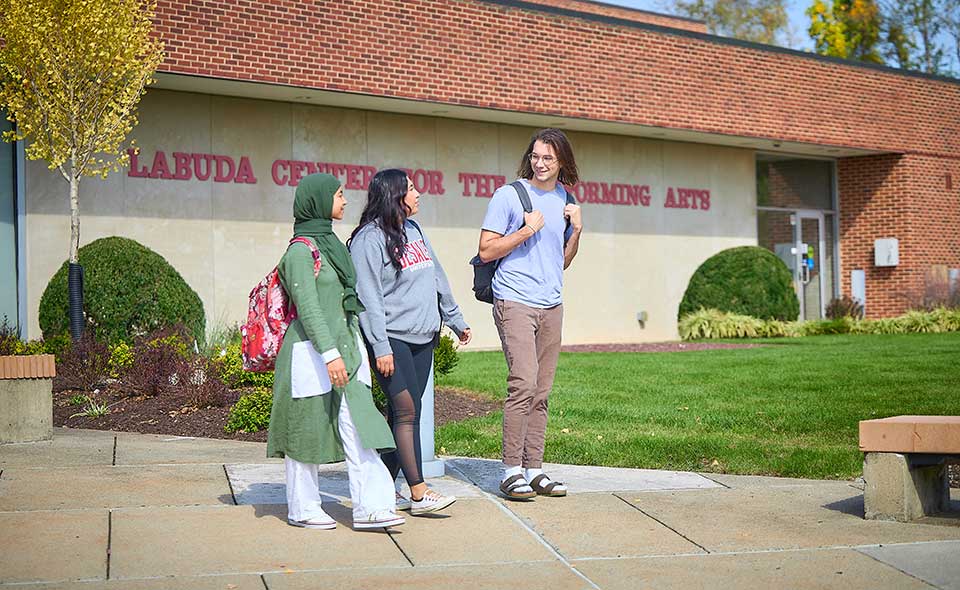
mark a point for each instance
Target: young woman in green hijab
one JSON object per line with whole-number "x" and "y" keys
{"x": 323, "y": 411}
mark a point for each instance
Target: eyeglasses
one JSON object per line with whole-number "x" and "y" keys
{"x": 547, "y": 159}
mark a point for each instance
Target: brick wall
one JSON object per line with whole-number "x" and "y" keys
{"x": 904, "y": 197}
{"x": 520, "y": 56}
{"x": 488, "y": 54}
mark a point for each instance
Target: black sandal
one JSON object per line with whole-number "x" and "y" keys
{"x": 509, "y": 486}
{"x": 549, "y": 489}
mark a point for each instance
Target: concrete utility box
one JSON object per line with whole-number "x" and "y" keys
{"x": 886, "y": 252}
{"x": 26, "y": 398}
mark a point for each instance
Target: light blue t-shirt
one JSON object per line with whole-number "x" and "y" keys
{"x": 533, "y": 273}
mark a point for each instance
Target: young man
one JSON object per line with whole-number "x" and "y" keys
{"x": 533, "y": 248}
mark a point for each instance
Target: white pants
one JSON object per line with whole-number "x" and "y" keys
{"x": 371, "y": 488}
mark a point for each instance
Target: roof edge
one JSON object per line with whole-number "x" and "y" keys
{"x": 611, "y": 20}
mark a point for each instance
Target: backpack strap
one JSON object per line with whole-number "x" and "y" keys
{"x": 313, "y": 250}
{"x": 570, "y": 201}
{"x": 524, "y": 197}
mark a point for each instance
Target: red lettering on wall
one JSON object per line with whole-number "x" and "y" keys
{"x": 202, "y": 161}
{"x": 136, "y": 170}
{"x": 435, "y": 182}
{"x": 279, "y": 172}
{"x": 245, "y": 172}
{"x": 297, "y": 169}
{"x": 160, "y": 168}
{"x": 181, "y": 166}
{"x": 225, "y": 168}
{"x": 687, "y": 198}
{"x": 480, "y": 185}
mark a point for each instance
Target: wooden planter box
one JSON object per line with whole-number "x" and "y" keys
{"x": 26, "y": 398}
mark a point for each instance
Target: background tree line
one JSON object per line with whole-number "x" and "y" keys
{"x": 919, "y": 35}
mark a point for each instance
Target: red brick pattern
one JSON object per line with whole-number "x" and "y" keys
{"x": 522, "y": 57}
{"x": 903, "y": 197}
{"x": 472, "y": 52}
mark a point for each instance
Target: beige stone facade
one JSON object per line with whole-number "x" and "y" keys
{"x": 223, "y": 236}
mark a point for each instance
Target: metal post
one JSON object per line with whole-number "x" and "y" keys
{"x": 432, "y": 467}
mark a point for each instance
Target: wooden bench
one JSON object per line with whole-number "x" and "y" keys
{"x": 904, "y": 465}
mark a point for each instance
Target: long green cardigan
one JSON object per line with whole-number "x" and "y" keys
{"x": 305, "y": 429}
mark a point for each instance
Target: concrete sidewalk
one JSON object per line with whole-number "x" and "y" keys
{"x": 111, "y": 510}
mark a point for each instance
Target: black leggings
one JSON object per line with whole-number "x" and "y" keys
{"x": 412, "y": 364}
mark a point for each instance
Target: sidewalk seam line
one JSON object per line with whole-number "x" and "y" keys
{"x": 719, "y": 483}
{"x": 402, "y": 552}
{"x": 229, "y": 485}
{"x": 661, "y": 522}
{"x": 114, "y": 451}
{"x": 109, "y": 539}
{"x": 490, "y": 497}
{"x": 890, "y": 565}
{"x": 559, "y": 556}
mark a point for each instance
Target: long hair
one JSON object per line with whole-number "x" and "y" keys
{"x": 561, "y": 146}
{"x": 385, "y": 209}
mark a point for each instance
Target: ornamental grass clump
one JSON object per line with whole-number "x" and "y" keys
{"x": 920, "y": 321}
{"x": 712, "y": 323}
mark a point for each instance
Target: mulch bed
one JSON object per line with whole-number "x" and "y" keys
{"x": 169, "y": 414}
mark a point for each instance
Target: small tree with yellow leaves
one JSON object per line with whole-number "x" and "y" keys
{"x": 71, "y": 75}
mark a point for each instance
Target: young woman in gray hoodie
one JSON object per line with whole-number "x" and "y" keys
{"x": 405, "y": 294}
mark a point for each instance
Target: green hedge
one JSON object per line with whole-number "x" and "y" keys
{"x": 747, "y": 280}
{"x": 712, "y": 323}
{"x": 128, "y": 291}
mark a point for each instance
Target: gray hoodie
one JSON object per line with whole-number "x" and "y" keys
{"x": 401, "y": 305}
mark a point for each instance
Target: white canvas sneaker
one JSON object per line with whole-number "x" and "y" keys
{"x": 318, "y": 522}
{"x": 378, "y": 520}
{"x": 431, "y": 502}
{"x": 403, "y": 503}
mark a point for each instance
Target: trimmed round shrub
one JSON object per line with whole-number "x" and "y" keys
{"x": 748, "y": 280}
{"x": 128, "y": 291}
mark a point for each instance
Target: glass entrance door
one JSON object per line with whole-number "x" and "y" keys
{"x": 808, "y": 276}
{"x": 798, "y": 238}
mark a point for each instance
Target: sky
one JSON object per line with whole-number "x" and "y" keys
{"x": 795, "y": 8}
{"x": 799, "y": 22}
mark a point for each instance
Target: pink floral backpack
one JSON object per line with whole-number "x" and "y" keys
{"x": 269, "y": 314}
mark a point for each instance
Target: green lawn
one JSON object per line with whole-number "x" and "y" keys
{"x": 789, "y": 408}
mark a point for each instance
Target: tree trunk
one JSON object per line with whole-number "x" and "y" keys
{"x": 75, "y": 276}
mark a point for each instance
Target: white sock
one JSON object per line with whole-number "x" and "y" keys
{"x": 510, "y": 471}
{"x": 532, "y": 473}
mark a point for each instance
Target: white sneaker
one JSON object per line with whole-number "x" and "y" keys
{"x": 403, "y": 503}
{"x": 378, "y": 520}
{"x": 430, "y": 502}
{"x": 317, "y": 522}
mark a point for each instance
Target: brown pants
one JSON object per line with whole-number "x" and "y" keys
{"x": 531, "y": 345}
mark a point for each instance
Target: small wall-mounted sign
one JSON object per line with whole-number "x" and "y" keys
{"x": 886, "y": 252}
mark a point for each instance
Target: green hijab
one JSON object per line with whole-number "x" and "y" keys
{"x": 312, "y": 209}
